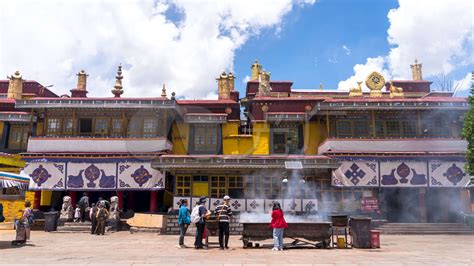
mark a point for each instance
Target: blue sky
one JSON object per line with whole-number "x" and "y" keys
{"x": 308, "y": 49}
{"x": 187, "y": 44}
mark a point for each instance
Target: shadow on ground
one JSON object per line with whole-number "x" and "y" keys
{"x": 8, "y": 245}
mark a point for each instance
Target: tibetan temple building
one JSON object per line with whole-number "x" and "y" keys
{"x": 393, "y": 152}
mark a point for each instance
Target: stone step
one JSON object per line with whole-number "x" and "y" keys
{"x": 146, "y": 230}
{"x": 427, "y": 233}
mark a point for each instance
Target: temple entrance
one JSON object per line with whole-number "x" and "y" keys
{"x": 402, "y": 205}
{"x": 443, "y": 205}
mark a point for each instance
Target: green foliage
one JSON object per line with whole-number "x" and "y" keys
{"x": 468, "y": 134}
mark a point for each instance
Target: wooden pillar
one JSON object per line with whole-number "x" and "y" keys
{"x": 373, "y": 125}
{"x": 73, "y": 195}
{"x": 327, "y": 124}
{"x": 120, "y": 199}
{"x": 153, "y": 201}
{"x": 418, "y": 122}
{"x": 423, "y": 216}
{"x": 37, "y": 200}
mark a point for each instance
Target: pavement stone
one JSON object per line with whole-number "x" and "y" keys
{"x": 123, "y": 248}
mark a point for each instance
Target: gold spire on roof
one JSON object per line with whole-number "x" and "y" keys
{"x": 82, "y": 80}
{"x": 416, "y": 71}
{"x": 256, "y": 68}
{"x": 15, "y": 86}
{"x": 118, "y": 88}
{"x": 163, "y": 91}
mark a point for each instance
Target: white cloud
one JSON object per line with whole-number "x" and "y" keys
{"x": 346, "y": 49}
{"x": 362, "y": 71}
{"x": 463, "y": 85}
{"x": 50, "y": 41}
{"x": 246, "y": 79}
{"x": 438, "y": 33}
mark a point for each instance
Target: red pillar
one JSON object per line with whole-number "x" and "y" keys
{"x": 73, "y": 195}
{"x": 37, "y": 200}
{"x": 120, "y": 199}
{"x": 154, "y": 201}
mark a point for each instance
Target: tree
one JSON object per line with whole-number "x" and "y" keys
{"x": 468, "y": 131}
{"x": 444, "y": 82}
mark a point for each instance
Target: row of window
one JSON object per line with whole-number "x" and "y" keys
{"x": 408, "y": 128}
{"x": 101, "y": 126}
{"x": 256, "y": 186}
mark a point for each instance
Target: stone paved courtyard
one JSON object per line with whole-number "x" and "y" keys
{"x": 125, "y": 248}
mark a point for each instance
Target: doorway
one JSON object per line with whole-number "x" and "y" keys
{"x": 402, "y": 205}
{"x": 443, "y": 205}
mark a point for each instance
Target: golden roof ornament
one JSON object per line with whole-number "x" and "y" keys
{"x": 416, "y": 71}
{"x": 163, "y": 91}
{"x": 15, "y": 86}
{"x": 356, "y": 92}
{"x": 394, "y": 91}
{"x": 82, "y": 80}
{"x": 375, "y": 82}
{"x": 117, "y": 91}
{"x": 256, "y": 68}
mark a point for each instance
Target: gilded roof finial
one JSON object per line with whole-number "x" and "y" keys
{"x": 163, "y": 91}
{"x": 118, "y": 88}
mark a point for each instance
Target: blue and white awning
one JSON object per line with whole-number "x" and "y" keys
{"x": 8, "y": 180}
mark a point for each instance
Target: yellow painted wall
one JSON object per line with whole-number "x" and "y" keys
{"x": 230, "y": 139}
{"x": 180, "y": 138}
{"x": 261, "y": 138}
{"x": 12, "y": 208}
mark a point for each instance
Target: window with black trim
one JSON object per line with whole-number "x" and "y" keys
{"x": 206, "y": 139}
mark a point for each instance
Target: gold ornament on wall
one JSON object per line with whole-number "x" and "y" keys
{"x": 375, "y": 82}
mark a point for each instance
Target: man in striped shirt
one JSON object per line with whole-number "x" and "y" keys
{"x": 223, "y": 213}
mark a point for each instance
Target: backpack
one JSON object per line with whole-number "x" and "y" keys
{"x": 102, "y": 215}
{"x": 195, "y": 218}
{"x": 83, "y": 202}
{"x": 31, "y": 218}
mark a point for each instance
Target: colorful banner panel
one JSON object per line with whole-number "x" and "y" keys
{"x": 139, "y": 176}
{"x": 46, "y": 175}
{"x": 356, "y": 174}
{"x": 91, "y": 176}
{"x": 448, "y": 174}
{"x": 403, "y": 174}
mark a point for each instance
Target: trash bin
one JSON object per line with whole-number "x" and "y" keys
{"x": 375, "y": 238}
{"x": 360, "y": 231}
{"x": 50, "y": 221}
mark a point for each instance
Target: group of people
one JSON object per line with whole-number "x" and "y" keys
{"x": 223, "y": 213}
{"x": 98, "y": 213}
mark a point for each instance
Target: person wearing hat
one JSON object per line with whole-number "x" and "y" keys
{"x": 200, "y": 222}
{"x": 223, "y": 213}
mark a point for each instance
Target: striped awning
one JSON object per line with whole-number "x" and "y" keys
{"x": 13, "y": 180}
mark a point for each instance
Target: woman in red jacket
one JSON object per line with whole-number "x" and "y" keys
{"x": 278, "y": 224}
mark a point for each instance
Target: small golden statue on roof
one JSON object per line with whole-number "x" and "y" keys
{"x": 375, "y": 82}
{"x": 356, "y": 92}
{"x": 394, "y": 91}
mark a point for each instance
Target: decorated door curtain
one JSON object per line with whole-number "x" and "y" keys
{"x": 93, "y": 176}
{"x": 403, "y": 173}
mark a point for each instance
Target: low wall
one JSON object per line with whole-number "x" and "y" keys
{"x": 172, "y": 227}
